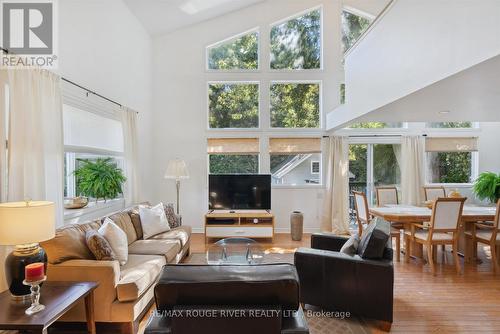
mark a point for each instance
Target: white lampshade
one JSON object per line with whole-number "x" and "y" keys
{"x": 26, "y": 222}
{"x": 176, "y": 169}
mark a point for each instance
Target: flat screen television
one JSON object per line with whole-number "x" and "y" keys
{"x": 239, "y": 192}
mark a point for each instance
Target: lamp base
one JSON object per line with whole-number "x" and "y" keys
{"x": 14, "y": 269}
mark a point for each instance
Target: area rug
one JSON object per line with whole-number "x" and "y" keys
{"x": 319, "y": 322}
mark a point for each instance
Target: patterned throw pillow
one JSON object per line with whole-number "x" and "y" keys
{"x": 173, "y": 219}
{"x": 99, "y": 246}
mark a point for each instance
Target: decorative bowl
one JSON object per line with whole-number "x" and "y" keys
{"x": 76, "y": 202}
{"x": 429, "y": 204}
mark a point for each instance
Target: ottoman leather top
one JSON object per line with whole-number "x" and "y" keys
{"x": 268, "y": 284}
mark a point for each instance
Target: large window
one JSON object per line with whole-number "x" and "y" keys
{"x": 233, "y": 105}
{"x": 296, "y": 43}
{"x": 233, "y": 155}
{"x": 240, "y": 53}
{"x": 376, "y": 125}
{"x": 295, "y": 105}
{"x": 295, "y": 161}
{"x": 450, "y": 160}
{"x": 450, "y": 125}
{"x": 353, "y": 26}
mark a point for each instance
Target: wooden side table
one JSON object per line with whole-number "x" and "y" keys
{"x": 58, "y": 298}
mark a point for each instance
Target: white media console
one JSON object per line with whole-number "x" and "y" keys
{"x": 239, "y": 223}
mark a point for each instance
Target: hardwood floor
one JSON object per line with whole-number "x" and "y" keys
{"x": 423, "y": 303}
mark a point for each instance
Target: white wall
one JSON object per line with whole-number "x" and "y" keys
{"x": 103, "y": 47}
{"x": 180, "y": 103}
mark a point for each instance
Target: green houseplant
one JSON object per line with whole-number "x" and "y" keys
{"x": 487, "y": 186}
{"x": 100, "y": 178}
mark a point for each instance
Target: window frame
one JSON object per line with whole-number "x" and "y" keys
{"x": 236, "y": 82}
{"x": 256, "y": 154}
{"x": 321, "y": 39}
{"x": 320, "y": 101}
{"x": 229, "y": 39}
{"x": 474, "y": 170}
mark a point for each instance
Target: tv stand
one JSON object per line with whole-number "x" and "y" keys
{"x": 239, "y": 223}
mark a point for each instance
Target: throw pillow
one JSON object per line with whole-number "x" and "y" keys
{"x": 374, "y": 239}
{"x": 153, "y": 220}
{"x": 99, "y": 246}
{"x": 173, "y": 219}
{"x": 116, "y": 238}
{"x": 351, "y": 245}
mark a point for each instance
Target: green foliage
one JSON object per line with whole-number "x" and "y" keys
{"x": 233, "y": 105}
{"x": 296, "y": 43}
{"x": 451, "y": 125}
{"x": 353, "y": 26}
{"x": 450, "y": 167}
{"x": 295, "y": 105}
{"x": 100, "y": 178}
{"x": 374, "y": 125}
{"x": 233, "y": 164}
{"x": 487, "y": 186}
{"x": 342, "y": 93}
{"x": 241, "y": 53}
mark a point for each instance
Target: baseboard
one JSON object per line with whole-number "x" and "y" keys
{"x": 276, "y": 230}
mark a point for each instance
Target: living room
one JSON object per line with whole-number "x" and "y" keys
{"x": 266, "y": 128}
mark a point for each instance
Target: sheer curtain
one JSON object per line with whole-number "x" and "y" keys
{"x": 336, "y": 202}
{"x": 129, "y": 125}
{"x": 4, "y": 250}
{"x": 412, "y": 169}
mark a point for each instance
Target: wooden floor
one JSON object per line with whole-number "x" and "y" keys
{"x": 423, "y": 303}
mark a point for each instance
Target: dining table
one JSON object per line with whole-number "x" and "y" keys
{"x": 406, "y": 215}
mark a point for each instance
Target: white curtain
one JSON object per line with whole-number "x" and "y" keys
{"x": 336, "y": 202}
{"x": 35, "y": 138}
{"x": 129, "y": 125}
{"x": 4, "y": 250}
{"x": 412, "y": 170}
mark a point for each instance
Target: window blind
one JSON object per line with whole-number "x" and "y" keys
{"x": 451, "y": 144}
{"x": 294, "y": 145}
{"x": 233, "y": 146}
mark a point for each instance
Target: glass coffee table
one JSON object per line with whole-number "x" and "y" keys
{"x": 235, "y": 251}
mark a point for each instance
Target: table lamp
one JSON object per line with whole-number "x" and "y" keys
{"x": 177, "y": 170}
{"x": 24, "y": 225}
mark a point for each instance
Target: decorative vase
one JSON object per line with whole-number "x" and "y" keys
{"x": 455, "y": 194}
{"x": 297, "y": 225}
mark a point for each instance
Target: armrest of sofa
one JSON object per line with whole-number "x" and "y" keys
{"x": 106, "y": 273}
{"x": 327, "y": 241}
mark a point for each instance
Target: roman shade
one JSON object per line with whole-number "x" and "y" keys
{"x": 451, "y": 144}
{"x": 294, "y": 145}
{"x": 233, "y": 146}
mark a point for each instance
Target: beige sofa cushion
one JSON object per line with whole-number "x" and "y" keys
{"x": 181, "y": 233}
{"x": 122, "y": 219}
{"x": 70, "y": 243}
{"x": 137, "y": 275}
{"x": 167, "y": 248}
{"x": 135, "y": 218}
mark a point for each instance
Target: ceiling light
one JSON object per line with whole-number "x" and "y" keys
{"x": 444, "y": 112}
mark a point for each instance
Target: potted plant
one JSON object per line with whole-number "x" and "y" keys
{"x": 100, "y": 178}
{"x": 487, "y": 186}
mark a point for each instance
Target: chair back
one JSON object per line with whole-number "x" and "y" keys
{"x": 496, "y": 224}
{"x": 446, "y": 214}
{"x": 432, "y": 193}
{"x": 361, "y": 206}
{"x": 387, "y": 195}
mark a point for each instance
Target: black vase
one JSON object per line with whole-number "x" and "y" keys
{"x": 14, "y": 268}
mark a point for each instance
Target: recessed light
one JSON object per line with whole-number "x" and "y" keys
{"x": 443, "y": 112}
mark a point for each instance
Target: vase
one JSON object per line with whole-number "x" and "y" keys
{"x": 297, "y": 225}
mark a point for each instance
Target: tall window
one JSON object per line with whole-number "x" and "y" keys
{"x": 233, "y": 155}
{"x": 296, "y": 43}
{"x": 89, "y": 136}
{"x": 450, "y": 160}
{"x": 295, "y": 105}
{"x": 240, "y": 53}
{"x": 353, "y": 26}
{"x": 295, "y": 161}
{"x": 233, "y": 105}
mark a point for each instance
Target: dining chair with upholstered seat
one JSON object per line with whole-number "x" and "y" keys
{"x": 442, "y": 230}
{"x": 489, "y": 235}
{"x": 363, "y": 217}
{"x": 434, "y": 192}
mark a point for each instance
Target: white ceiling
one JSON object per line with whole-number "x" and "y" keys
{"x": 164, "y": 16}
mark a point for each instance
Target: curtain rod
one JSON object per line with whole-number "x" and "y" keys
{"x": 79, "y": 86}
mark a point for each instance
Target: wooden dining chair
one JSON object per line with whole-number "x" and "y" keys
{"x": 442, "y": 230}
{"x": 489, "y": 235}
{"x": 387, "y": 195}
{"x": 434, "y": 192}
{"x": 363, "y": 217}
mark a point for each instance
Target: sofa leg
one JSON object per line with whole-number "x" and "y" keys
{"x": 385, "y": 326}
